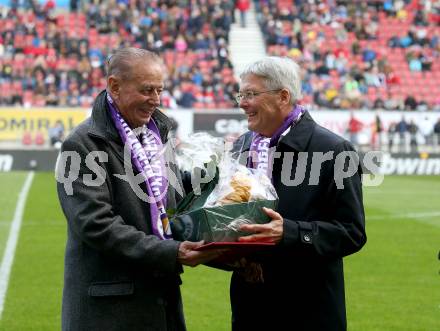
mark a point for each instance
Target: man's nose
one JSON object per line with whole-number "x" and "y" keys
{"x": 243, "y": 103}
{"x": 155, "y": 97}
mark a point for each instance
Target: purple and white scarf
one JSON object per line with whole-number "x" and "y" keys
{"x": 261, "y": 151}
{"x": 144, "y": 156}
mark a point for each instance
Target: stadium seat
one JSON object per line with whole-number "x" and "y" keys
{"x": 39, "y": 139}
{"x": 26, "y": 139}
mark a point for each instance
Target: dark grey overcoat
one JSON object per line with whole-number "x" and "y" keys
{"x": 118, "y": 276}
{"x": 303, "y": 287}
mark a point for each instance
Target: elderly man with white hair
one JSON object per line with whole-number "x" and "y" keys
{"x": 297, "y": 284}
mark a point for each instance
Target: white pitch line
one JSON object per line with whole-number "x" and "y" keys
{"x": 406, "y": 215}
{"x": 8, "y": 255}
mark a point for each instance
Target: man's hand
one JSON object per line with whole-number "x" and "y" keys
{"x": 270, "y": 232}
{"x": 187, "y": 254}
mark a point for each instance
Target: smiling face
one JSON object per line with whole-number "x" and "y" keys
{"x": 138, "y": 97}
{"x": 265, "y": 112}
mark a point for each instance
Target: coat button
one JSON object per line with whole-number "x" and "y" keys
{"x": 161, "y": 302}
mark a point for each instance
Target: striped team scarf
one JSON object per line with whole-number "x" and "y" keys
{"x": 260, "y": 157}
{"x": 144, "y": 152}
{"x": 260, "y": 154}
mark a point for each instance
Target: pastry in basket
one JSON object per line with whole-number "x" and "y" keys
{"x": 241, "y": 185}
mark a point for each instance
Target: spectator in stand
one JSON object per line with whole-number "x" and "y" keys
{"x": 74, "y": 5}
{"x": 426, "y": 129}
{"x": 376, "y": 137}
{"x": 352, "y": 92}
{"x": 410, "y": 103}
{"x": 388, "y": 7}
{"x": 359, "y": 29}
{"x": 426, "y": 62}
{"x": 368, "y": 55}
{"x": 391, "y": 136}
{"x": 402, "y": 129}
{"x": 354, "y": 128}
{"x": 243, "y": 7}
{"x": 187, "y": 100}
{"x": 437, "y": 132}
{"x": 378, "y": 104}
{"x": 374, "y": 78}
{"x": 413, "y": 130}
{"x": 56, "y": 134}
{"x": 435, "y": 41}
{"x": 395, "y": 103}
{"x": 420, "y": 18}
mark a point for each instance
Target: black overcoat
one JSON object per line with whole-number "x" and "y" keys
{"x": 303, "y": 287}
{"x": 118, "y": 276}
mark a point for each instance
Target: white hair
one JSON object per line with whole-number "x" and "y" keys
{"x": 277, "y": 73}
{"x": 122, "y": 62}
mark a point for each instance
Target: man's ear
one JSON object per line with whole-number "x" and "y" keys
{"x": 113, "y": 85}
{"x": 285, "y": 96}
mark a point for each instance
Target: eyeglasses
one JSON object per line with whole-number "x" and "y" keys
{"x": 249, "y": 95}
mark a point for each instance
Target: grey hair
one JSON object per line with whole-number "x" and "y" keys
{"x": 122, "y": 61}
{"x": 277, "y": 73}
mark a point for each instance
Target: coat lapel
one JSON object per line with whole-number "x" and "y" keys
{"x": 102, "y": 127}
{"x": 298, "y": 138}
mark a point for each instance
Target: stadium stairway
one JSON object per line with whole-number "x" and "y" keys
{"x": 246, "y": 45}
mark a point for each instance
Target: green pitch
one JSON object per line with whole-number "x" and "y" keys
{"x": 392, "y": 284}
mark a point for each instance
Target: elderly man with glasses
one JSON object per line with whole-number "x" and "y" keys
{"x": 320, "y": 216}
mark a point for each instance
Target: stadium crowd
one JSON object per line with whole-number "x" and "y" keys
{"x": 359, "y": 54}
{"x": 354, "y": 54}
{"x": 52, "y": 58}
